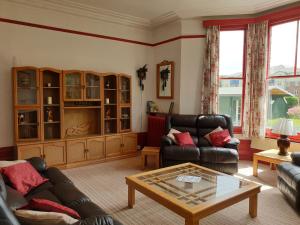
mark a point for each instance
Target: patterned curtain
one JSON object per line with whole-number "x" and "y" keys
{"x": 256, "y": 84}
{"x": 210, "y": 84}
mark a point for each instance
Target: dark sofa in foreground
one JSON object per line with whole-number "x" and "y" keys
{"x": 223, "y": 159}
{"x": 59, "y": 189}
{"x": 288, "y": 180}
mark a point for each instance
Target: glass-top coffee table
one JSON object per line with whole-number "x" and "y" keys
{"x": 193, "y": 201}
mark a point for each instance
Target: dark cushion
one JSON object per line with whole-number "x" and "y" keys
{"x": 2, "y": 187}
{"x": 45, "y": 186}
{"x": 38, "y": 163}
{"x": 184, "y": 153}
{"x": 218, "y": 155}
{"x": 296, "y": 158}
{"x": 69, "y": 195}
{"x": 290, "y": 174}
{"x": 15, "y": 199}
{"x": 89, "y": 209}
{"x": 6, "y": 215}
{"x": 97, "y": 220}
{"x": 56, "y": 176}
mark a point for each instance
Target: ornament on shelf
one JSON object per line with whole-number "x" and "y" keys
{"x": 107, "y": 85}
{"x": 49, "y": 115}
{"x": 107, "y": 101}
{"x": 21, "y": 118}
{"x": 107, "y": 113}
{"x": 49, "y": 84}
{"x": 49, "y": 100}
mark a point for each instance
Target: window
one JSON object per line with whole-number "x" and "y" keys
{"x": 284, "y": 76}
{"x": 231, "y": 73}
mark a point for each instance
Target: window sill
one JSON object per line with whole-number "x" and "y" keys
{"x": 271, "y": 135}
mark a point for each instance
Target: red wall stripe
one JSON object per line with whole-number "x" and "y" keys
{"x": 22, "y": 23}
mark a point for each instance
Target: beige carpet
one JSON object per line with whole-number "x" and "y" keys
{"x": 105, "y": 185}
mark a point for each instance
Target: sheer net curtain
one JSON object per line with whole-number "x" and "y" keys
{"x": 210, "y": 84}
{"x": 254, "y": 121}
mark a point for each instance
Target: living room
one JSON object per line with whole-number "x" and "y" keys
{"x": 149, "y": 112}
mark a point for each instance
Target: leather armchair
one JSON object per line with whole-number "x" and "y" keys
{"x": 223, "y": 159}
{"x": 288, "y": 180}
{"x": 60, "y": 189}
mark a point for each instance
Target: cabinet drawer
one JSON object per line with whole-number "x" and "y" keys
{"x": 113, "y": 145}
{"x": 55, "y": 153}
{"x": 76, "y": 151}
{"x": 95, "y": 148}
{"x": 129, "y": 143}
{"x": 28, "y": 151}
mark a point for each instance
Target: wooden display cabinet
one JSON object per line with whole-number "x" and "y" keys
{"x": 72, "y": 117}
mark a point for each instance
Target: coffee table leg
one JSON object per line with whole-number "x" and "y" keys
{"x": 131, "y": 196}
{"x": 255, "y": 166}
{"x": 253, "y": 205}
{"x": 191, "y": 221}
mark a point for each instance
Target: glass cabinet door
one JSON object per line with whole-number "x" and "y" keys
{"x": 125, "y": 119}
{"x": 125, "y": 97}
{"x": 28, "y": 124}
{"x": 26, "y": 81}
{"x": 92, "y": 86}
{"x": 73, "y": 86}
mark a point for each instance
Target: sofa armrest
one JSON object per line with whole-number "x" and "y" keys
{"x": 96, "y": 220}
{"x": 166, "y": 141}
{"x": 233, "y": 143}
{"x": 296, "y": 158}
{"x": 38, "y": 163}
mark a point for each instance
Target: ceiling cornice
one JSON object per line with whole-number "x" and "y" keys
{"x": 83, "y": 10}
{"x": 165, "y": 18}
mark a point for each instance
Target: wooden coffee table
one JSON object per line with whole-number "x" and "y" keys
{"x": 270, "y": 156}
{"x": 214, "y": 192}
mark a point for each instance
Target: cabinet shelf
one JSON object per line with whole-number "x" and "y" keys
{"x": 51, "y": 105}
{"x": 51, "y": 87}
{"x": 110, "y": 89}
{"x": 111, "y": 104}
{"x": 82, "y": 107}
{"x": 53, "y": 122}
{"x": 28, "y": 124}
{"x": 110, "y": 119}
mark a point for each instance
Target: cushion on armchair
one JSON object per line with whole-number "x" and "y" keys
{"x": 220, "y": 138}
{"x": 296, "y": 158}
{"x": 183, "y": 139}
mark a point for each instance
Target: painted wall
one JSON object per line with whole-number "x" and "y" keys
{"x": 22, "y": 46}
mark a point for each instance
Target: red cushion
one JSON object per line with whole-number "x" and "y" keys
{"x": 184, "y": 139}
{"x": 23, "y": 177}
{"x": 220, "y": 138}
{"x": 50, "y": 206}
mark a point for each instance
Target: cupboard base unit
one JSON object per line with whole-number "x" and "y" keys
{"x": 81, "y": 151}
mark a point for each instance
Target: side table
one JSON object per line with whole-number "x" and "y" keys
{"x": 270, "y": 156}
{"x": 150, "y": 151}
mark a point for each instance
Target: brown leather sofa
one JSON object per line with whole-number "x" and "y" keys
{"x": 223, "y": 159}
{"x": 59, "y": 189}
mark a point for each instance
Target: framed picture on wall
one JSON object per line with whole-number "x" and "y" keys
{"x": 165, "y": 80}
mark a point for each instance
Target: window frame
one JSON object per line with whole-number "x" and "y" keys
{"x": 238, "y": 129}
{"x": 269, "y": 133}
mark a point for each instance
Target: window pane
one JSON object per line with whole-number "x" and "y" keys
{"x": 283, "y": 49}
{"x": 284, "y": 101}
{"x": 230, "y": 99}
{"x": 298, "y": 55}
{"x": 231, "y": 53}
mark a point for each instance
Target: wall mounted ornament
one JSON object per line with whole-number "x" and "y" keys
{"x": 165, "y": 80}
{"x": 141, "y": 73}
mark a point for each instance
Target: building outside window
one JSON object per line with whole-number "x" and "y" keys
{"x": 231, "y": 73}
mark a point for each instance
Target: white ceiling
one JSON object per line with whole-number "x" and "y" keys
{"x": 153, "y": 9}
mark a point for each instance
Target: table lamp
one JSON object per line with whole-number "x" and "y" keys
{"x": 285, "y": 127}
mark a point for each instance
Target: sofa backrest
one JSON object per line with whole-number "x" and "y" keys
{"x": 183, "y": 123}
{"x": 207, "y": 123}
